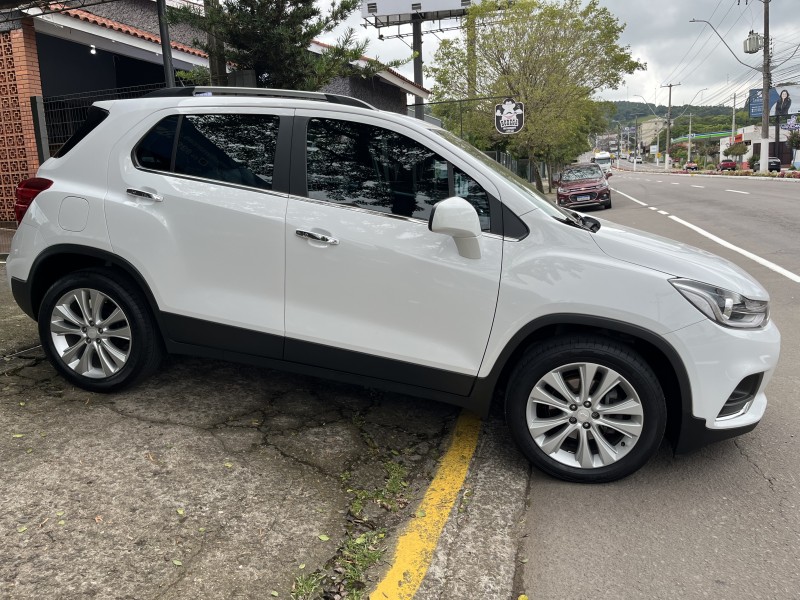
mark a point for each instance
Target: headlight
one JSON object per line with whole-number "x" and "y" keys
{"x": 723, "y": 306}
{"x": 562, "y": 191}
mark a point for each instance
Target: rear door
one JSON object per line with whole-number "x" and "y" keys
{"x": 197, "y": 204}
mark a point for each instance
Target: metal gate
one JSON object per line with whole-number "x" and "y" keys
{"x": 57, "y": 117}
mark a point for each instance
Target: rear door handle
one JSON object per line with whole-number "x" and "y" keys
{"x": 147, "y": 195}
{"x": 317, "y": 237}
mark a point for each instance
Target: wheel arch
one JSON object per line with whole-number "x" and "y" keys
{"x": 63, "y": 259}
{"x": 659, "y": 354}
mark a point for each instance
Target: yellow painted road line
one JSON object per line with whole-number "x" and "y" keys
{"x": 415, "y": 547}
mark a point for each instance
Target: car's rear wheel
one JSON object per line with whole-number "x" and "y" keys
{"x": 585, "y": 409}
{"x": 98, "y": 332}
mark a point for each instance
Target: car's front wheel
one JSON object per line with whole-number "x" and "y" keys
{"x": 585, "y": 409}
{"x": 98, "y": 332}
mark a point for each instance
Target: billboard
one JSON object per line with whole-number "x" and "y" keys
{"x": 382, "y": 13}
{"x": 783, "y": 100}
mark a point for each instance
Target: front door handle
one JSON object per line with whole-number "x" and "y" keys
{"x": 317, "y": 237}
{"x": 146, "y": 195}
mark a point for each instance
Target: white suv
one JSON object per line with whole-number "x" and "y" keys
{"x": 313, "y": 233}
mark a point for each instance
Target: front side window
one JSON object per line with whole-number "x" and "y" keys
{"x": 230, "y": 148}
{"x": 378, "y": 169}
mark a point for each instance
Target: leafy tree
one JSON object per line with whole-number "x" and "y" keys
{"x": 736, "y": 150}
{"x": 552, "y": 55}
{"x": 272, "y": 37}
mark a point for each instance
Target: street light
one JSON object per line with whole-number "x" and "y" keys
{"x": 658, "y": 133}
{"x": 689, "y": 156}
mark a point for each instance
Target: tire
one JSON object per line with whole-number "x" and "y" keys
{"x": 98, "y": 332}
{"x": 607, "y": 205}
{"x": 612, "y": 437}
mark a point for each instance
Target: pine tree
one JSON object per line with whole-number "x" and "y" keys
{"x": 272, "y": 38}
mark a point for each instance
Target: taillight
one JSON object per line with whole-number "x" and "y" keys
{"x": 27, "y": 190}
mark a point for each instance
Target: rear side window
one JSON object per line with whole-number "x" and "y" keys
{"x": 94, "y": 117}
{"x": 237, "y": 149}
{"x": 229, "y": 148}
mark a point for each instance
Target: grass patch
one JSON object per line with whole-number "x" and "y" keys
{"x": 390, "y": 496}
{"x": 306, "y": 586}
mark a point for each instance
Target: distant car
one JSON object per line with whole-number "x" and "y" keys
{"x": 583, "y": 186}
{"x": 773, "y": 164}
{"x": 637, "y": 159}
{"x": 727, "y": 165}
{"x": 623, "y": 155}
{"x": 691, "y": 166}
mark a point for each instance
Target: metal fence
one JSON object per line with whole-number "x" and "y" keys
{"x": 62, "y": 115}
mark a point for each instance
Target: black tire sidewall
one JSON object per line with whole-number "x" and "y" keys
{"x": 539, "y": 361}
{"x": 139, "y": 320}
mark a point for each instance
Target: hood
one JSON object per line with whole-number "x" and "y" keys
{"x": 675, "y": 258}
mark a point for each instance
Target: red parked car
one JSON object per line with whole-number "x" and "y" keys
{"x": 727, "y": 165}
{"x": 583, "y": 185}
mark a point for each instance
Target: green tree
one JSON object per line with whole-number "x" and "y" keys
{"x": 736, "y": 150}
{"x": 272, "y": 38}
{"x": 551, "y": 55}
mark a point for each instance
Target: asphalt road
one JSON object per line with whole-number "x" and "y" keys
{"x": 720, "y": 523}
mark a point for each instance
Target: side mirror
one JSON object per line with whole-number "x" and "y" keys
{"x": 557, "y": 178}
{"x": 608, "y": 174}
{"x": 458, "y": 218}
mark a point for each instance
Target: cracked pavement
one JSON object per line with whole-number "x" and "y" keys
{"x": 208, "y": 480}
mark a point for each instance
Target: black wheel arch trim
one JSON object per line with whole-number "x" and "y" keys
{"x": 518, "y": 340}
{"x": 26, "y": 288}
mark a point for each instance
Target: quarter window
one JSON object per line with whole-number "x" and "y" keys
{"x": 378, "y": 169}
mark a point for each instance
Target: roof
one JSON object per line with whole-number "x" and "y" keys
{"x": 133, "y": 31}
{"x": 316, "y": 46}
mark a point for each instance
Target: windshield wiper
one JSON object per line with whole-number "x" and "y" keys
{"x": 576, "y": 220}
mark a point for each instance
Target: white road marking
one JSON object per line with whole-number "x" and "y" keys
{"x": 674, "y": 183}
{"x": 737, "y": 192}
{"x": 616, "y": 191}
{"x": 754, "y": 257}
{"x": 653, "y": 207}
{"x": 702, "y": 187}
{"x": 659, "y": 181}
{"x": 663, "y": 212}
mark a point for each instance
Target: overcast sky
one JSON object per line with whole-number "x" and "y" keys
{"x": 675, "y": 50}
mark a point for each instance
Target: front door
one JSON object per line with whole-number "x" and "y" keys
{"x": 369, "y": 289}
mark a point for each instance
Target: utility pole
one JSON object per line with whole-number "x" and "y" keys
{"x": 416, "y": 46}
{"x": 669, "y": 126}
{"x": 764, "y": 164}
{"x": 733, "y": 120}
{"x": 689, "y": 159}
{"x": 635, "y": 139}
{"x": 166, "y": 47}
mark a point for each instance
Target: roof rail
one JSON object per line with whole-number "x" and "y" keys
{"x": 202, "y": 90}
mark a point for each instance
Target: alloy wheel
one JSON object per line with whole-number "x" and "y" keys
{"x": 90, "y": 333}
{"x": 584, "y": 415}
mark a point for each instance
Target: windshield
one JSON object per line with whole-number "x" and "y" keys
{"x": 528, "y": 191}
{"x": 578, "y": 173}
{"x": 603, "y": 160}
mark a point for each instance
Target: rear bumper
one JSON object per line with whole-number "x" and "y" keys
{"x": 22, "y": 296}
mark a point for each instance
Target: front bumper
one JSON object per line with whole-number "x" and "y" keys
{"x": 584, "y": 198}
{"x": 717, "y": 360}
